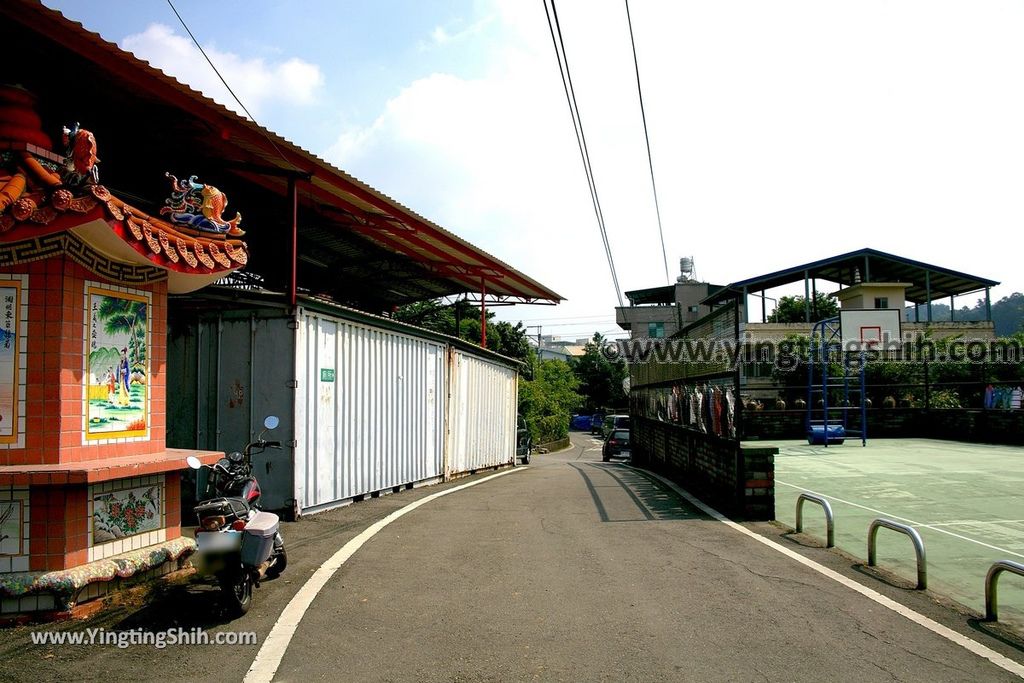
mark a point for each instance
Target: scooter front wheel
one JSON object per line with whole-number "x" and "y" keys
{"x": 237, "y": 590}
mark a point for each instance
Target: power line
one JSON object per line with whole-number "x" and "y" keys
{"x": 581, "y": 139}
{"x": 224, "y": 81}
{"x": 567, "y": 317}
{"x": 650, "y": 162}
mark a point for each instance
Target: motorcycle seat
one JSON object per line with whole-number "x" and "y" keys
{"x": 231, "y": 508}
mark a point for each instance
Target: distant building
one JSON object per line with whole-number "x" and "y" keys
{"x": 660, "y": 312}
{"x": 555, "y": 349}
{"x": 868, "y": 280}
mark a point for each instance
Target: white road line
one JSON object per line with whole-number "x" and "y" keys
{"x": 911, "y": 522}
{"x": 949, "y": 634}
{"x": 268, "y": 659}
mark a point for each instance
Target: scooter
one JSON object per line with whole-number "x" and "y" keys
{"x": 238, "y": 543}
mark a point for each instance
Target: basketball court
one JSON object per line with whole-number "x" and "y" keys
{"x": 965, "y": 500}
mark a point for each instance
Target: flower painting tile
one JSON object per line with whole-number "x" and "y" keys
{"x": 117, "y": 364}
{"x": 124, "y": 513}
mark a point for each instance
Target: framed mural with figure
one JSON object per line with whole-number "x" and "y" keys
{"x": 117, "y": 363}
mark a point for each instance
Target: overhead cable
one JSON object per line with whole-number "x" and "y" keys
{"x": 650, "y": 162}
{"x": 581, "y": 140}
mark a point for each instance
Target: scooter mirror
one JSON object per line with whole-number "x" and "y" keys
{"x": 193, "y": 462}
{"x": 271, "y": 422}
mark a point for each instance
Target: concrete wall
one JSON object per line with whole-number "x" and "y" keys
{"x": 737, "y": 480}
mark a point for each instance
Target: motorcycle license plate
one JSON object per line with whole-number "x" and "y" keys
{"x": 219, "y": 541}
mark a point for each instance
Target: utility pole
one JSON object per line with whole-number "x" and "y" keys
{"x": 539, "y": 328}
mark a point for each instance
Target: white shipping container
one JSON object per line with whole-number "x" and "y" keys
{"x": 369, "y": 412}
{"x": 482, "y": 407}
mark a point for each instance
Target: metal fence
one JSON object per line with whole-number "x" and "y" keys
{"x": 702, "y": 396}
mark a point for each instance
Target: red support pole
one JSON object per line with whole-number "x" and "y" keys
{"x": 483, "y": 313}
{"x": 293, "y": 199}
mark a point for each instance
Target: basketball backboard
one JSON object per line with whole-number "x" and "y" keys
{"x": 870, "y": 328}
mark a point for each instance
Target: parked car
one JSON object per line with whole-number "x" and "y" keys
{"x": 616, "y": 445}
{"x": 595, "y": 423}
{"x": 580, "y": 422}
{"x": 524, "y": 444}
{"x": 613, "y": 422}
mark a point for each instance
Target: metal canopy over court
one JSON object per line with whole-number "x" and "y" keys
{"x": 313, "y": 228}
{"x": 928, "y": 282}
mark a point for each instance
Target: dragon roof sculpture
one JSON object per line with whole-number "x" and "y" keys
{"x": 43, "y": 193}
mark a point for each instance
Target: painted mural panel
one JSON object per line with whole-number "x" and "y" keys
{"x": 10, "y": 527}
{"x": 10, "y": 307}
{"x": 119, "y": 514}
{"x": 117, "y": 364}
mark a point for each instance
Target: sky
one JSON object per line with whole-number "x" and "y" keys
{"x": 781, "y": 132}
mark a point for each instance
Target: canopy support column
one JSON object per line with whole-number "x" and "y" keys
{"x": 483, "y": 313}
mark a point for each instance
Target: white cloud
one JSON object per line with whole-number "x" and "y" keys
{"x": 495, "y": 160}
{"x": 780, "y": 134}
{"x": 255, "y": 81}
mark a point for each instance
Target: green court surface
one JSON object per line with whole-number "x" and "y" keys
{"x": 965, "y": 500}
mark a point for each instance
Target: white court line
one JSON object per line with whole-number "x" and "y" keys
{"x": 909, "y": 521}
{"x": 268, "y": 659}
{"x": 971, "y": 522}
{"x": 949, "y": 634}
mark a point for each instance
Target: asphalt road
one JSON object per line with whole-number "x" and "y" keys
{"x": 571, "y": 570}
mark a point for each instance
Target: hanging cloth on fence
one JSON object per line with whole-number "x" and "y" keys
{"x": 730, "y": 413}
{"x": 698, "y": 399}
{"x": 1015, "y": 397}
{"x": 716, "y": 411}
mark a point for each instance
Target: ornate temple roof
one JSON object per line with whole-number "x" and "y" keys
{"x": 55, "y": 201}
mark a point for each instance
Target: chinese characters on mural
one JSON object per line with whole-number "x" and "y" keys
{"x": 117, "y": 367}
{"x": 10, "y": 301}
{"x": 125, "y": 513}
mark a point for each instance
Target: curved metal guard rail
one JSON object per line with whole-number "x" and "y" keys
{"x": 830, "y": 523}
{"x": 991, "y": 608}
{"x": 922, "y": 561}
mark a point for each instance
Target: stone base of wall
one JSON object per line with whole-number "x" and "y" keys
{"x": 738, "y": 480}
{"x": 55, "y": 595}
{"x": 976, "y": 426}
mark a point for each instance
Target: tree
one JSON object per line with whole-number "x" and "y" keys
{"x": 792, "y": 309}
{"x": 440, "y": 317}
{"x": 546, "y": 402}
{"x": 1007, "y": 313}
{"x": 124, "y": 316}
{"x": 600, "y": 379}
{"x": 502, "y": 337}
{"x": 510, "y": 340}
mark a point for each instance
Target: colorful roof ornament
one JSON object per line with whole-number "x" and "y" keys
{"x": 43, "y": 194}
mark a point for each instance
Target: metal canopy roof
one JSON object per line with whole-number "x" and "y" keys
{"x": 866, "y": 265}
{"x": 665, "y": 294}
{"x": 356, "y": 245}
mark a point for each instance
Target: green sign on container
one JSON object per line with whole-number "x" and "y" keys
{"x": 326, "y": 374}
